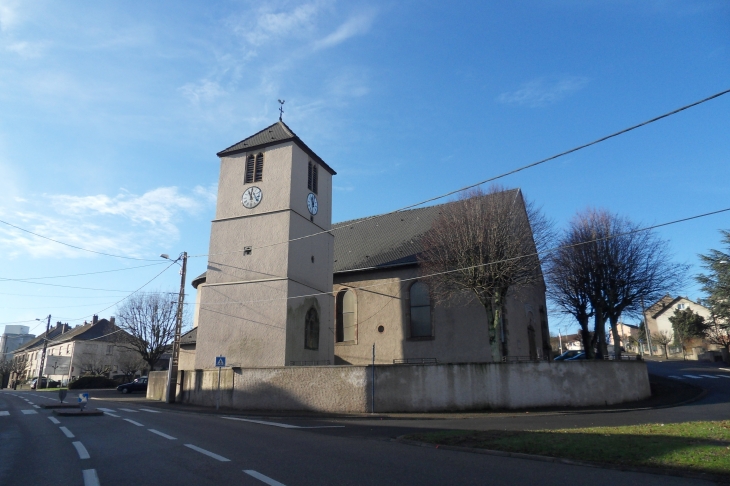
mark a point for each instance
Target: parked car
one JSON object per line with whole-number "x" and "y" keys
{"x": 579, "y": 356}
{"x": 139, "y": 384}
{"x": 45, "y": 383}
{"x": 568, "y": 354}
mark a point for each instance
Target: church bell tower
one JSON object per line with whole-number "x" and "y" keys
{"x": 266, "y": 300}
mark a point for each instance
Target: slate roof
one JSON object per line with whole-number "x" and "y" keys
{"x": 274, "y": 134}
{"x": 190, "y": 337}
{"x": 37, "y": 342}
{"x": 389, "y": 240}
{"x": 79, "y": 333}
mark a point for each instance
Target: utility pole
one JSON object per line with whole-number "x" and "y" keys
{"x": 39, "y": 383}
{"x": 172, "y": 372}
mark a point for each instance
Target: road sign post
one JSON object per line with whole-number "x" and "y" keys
{"x": 220, "y": 362}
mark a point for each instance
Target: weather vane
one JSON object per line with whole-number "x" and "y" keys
{"x": 281, "y": 109}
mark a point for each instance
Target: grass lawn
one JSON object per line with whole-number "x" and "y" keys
{"x": 693, "y": 446}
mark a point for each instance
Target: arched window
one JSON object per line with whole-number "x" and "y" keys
{"x": 311, "y": 329}
{"x": 259, "y": 174}
{"x": 248, "y": 178}
{"x": 346, "y": 316}
{"x": 420, "y": 311}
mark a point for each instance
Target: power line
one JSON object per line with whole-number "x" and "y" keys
{"x": 59, "y": 285}
{"x": 491, "y": 179}
{"x": 17, "y": 322}
{"x": 530, "y": 255}
{"x": 76, "y": 247}
{"x": 83, "y": 274}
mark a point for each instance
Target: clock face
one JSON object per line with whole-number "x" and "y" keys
{"x": 252, "y": 197}
{"x": 312, "y": 203}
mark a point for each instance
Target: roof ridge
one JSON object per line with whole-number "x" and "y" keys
{"x": 285, "y": 127}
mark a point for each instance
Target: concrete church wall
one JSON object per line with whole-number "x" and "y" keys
{"x": 415, "y": 388}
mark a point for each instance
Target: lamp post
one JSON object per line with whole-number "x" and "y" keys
{"x": 172, "y": 372}
{"x": 39, "y": 383}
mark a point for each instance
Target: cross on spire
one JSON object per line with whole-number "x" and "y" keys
{"x": 281, "y": 109}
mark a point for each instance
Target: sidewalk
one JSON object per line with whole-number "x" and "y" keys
{"x": 665, "y": 393}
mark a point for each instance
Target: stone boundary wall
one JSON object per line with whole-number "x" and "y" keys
{"x": 413, "y": 388}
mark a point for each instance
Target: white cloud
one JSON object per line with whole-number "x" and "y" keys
{"x": 205, "y": 90}
{"x": 276, "y": 26}
{"x": 355, "y": 25}
{"x": 9, "y": 14}
{"x": 543, "y": 91}
{"x": 26, "y": 49}
{"x": 125, "y": 224}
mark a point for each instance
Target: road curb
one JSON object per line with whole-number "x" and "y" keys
{"x": 86, "y": 413}
{"x": 570, "y": 462}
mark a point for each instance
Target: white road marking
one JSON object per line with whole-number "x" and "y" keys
{"x": 54, "y": 420}
{"x": 4, "y": 413}
{"x": 676, "y": 377}
{"x": 207, "y": 453}
{"x": 29, "y": 412}
{"x": 693, "y": 376}
{"x": 105, "y": 409}
{"x": 135, "y": 423}
{"x": 285, "y": 426}
{"x": 36, "y": 406}
{"x": 709, "y": 376}
{"x": 150, "y": 411}
{"x": 90, "y": 477}
{"x": 67, "y": 432}
{"x": 262, "y": 478}
{"x": 128, "y": 410}
{"x": 723, "y": 376}
{"x": 161, "y": 434}
{"x": 83, "y": 453}
{"x": 111, "y": 414}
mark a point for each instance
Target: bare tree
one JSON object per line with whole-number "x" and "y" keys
{"x": 664, "y": 339}
{"x": 129, "y": 363}
{"x": 614, "y": 264}
{"x": 719, "y": 334}
{"x": 482, "y": 246}
{"x": 18, "y": 366}
{"x": 150, "y": 321}
{"x": 94, "y": 366}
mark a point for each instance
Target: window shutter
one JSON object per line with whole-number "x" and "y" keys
{"x": 309, "y": 176}
{"x": 314, "y": 178}
{"x": 259, "y": 168}
{"x": 249, "y": 170}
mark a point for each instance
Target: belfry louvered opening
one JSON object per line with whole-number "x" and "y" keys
{"x": 259, "y": 173}
{"x": 248, "y": 178}
{"x": 312, "y": 179}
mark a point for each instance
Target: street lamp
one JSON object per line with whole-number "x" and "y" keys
{"x": 172, "y": 371}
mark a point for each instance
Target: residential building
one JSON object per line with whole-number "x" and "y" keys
{"x": 657, "y": 318}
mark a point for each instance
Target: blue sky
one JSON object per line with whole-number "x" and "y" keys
{"x": 111, "y": 114}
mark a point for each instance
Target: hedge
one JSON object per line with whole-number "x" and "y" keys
{"x": 91, "y": 382}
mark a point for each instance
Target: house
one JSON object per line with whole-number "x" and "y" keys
{"x": 282, "y": 288}
{"x": 94, "y": 347}
{"x": 657, "y": 319}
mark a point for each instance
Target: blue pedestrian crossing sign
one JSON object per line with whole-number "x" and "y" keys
{"x": 220, "y": 361}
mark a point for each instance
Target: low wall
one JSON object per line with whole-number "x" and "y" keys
{"x": 414, "y": 388}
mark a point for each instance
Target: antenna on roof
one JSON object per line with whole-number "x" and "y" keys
{"x": 281, "y": 109}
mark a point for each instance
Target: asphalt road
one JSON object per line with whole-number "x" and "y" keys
{"x": 137, "y": 442}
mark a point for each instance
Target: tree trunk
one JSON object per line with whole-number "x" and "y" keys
{"x": 497, "y": 324}
{"x": 600, "y": 321}
{"x": 493, "y": 337}
{"x": 585, "y": 336}
{"x": 616, "y": 338}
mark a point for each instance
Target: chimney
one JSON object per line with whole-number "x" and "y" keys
{"x": 111, "y": 320}
{"x": 96, "y": 319}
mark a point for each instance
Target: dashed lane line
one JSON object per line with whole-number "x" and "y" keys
{"x": 162, "y": 435}
{"x": 150, "y": 411}
{"x": 90, "y": 477}
{"x": 111, "y": 414}
{"x": 262, "y": 478}
{"x": 83, "y": 453}
{"x": 676, "y": 377}
{"x": 128, "y": 410}
{"x": 693, "y": 377}
{"x": 36, "y": 406}
{"x": 28, "y": 412}
{"x": 67, "y": 432}
{"x": 710, "y": 376}
{"x": 54, "y": 420}
{"x": 135, "y": 423}
{"x": 105, "y": 409}
{"x": 723, "y": 376}
{"x": 207, "y": 453}
{"x": 3, "y": 413}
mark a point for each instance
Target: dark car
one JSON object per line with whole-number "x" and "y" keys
{"x": 139, "y": 384}
{"x": 568, "y": 354}
{"x": 45, "y": 383}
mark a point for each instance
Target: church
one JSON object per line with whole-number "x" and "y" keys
{"x": 283, "y": 287}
